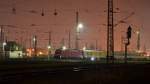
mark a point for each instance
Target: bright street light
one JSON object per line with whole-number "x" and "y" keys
{"x": 64, "y": 47}
{"x": 49, "y": 47}
{"x": 4, "y": 43}
{"x": 34, "y": 39}
{"x": 49, "y": 51}
{"x": 35, "y": 46}
{"x": 84, "y": 48}
{"x": 80, "y": 26}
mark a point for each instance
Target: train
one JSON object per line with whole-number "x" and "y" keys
{"x": 68, "y": 53}
{"x": 94, "y": 54}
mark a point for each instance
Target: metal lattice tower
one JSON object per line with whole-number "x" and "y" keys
{"x": 110, "y": 33}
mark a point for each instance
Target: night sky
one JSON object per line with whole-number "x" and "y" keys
{"x": 26, "y": 21}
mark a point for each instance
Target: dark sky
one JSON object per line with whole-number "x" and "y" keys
{"x": 91, "y": 14}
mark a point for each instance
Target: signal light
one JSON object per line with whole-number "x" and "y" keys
{"x": 129, "y": 32}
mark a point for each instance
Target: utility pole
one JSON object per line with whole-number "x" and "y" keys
{"x": 110, "y": 33}
{"x": 49, "y": 45}
{"x": 77, "y": 33}
{"x": 69, "y": 39}
{"x": 50, "y": 38}
{"x": 96, "y": 44}
{"x": 63, "y": 42}
{"x": 35, "y": 46}
{"x": 1, "y": 37}
{"x": 2, "y": 41}
{"x": 138, "y": 40}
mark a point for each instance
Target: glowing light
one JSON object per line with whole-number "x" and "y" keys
{"x": 40, "y": 53}
{"x": 49, "y": 47}
{"x": 139, "y": 51}
{"x": 64, "y": 48}
{"x": 28, "y": 50}
{"x": 147, "y": 55}
{"x": 32, "y": 49}
{"x": 92, "y": 58}
{"x": 138, "y": 32}
{"x": 80, "y": 25}
{"x": 84, "y": 48}
{"x": 4, "y": 43}
{"x": 34, "y": 39}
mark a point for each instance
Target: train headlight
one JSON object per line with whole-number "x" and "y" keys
{"x": 92, "y": 58}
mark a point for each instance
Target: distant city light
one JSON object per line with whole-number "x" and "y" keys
{"x": 32, "y": 49}
{"x": 138, "y": 32}
{"x": 27, "y": 50}
{"x": 40, "y": 53}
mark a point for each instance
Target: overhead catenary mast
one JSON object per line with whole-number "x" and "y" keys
{"x": 110, "y": 33}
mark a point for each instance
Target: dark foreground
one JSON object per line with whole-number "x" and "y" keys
{"x": 77, "y": 74}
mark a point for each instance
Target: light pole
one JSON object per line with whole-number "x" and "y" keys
{"x": 78, "y": 27}
{"x": 77, "y": 22}
{"x": 35, "y": 46}
{"x": 49, "y": 51}
{"x": 49, "y": 45}
{"x": 69, "y": 39}
{"x": 96, "y": 44}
